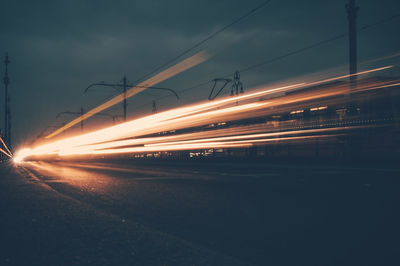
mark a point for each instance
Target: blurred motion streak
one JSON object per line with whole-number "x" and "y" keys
{"x": 5, "y": 153}
{"x": 231, "y": 122}
{"x": 8, "y": 152}
{"x": 195, "y": 146}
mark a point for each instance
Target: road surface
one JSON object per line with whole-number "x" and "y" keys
{"x": 200, "y": 213}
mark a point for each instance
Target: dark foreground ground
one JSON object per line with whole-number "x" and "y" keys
{"x": 199, "y": 213}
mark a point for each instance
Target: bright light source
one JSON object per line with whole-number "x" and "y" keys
{"x": 318, "y": 108}
{"x": 21, "y": 155}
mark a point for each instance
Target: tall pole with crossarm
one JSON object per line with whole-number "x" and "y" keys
{"x": 352, "y": 10}
{"x": 122, "y": 88}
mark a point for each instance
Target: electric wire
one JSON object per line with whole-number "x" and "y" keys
{"x": 206, "y": 39}
{"x": 294, "y": 52}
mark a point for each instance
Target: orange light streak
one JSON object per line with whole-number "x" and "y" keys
{"x": 349, "y": 75}
{"x": 3, "y": 151}
{"x": 158, "y": 141}
{"x": 115, "y": 139}
{"x": 5, "y": 146}
{"x": 141, "y": 123}
{"x": 198, "y": 146}
{"x": 254, "y": 136}
{"x": 381, "y": 87}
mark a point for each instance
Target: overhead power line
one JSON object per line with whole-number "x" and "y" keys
{"x": 297, "y": 51}
{"x": 254, "y": 10}
{"x": 309, "y": 47}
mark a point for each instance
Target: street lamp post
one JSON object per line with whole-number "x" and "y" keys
{"x": 72, "y": 113}
{"x": 81, "y": 113}
{"x": 122, "y": 88}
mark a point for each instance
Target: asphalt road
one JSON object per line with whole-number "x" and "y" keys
{"x": 200, "y": 213}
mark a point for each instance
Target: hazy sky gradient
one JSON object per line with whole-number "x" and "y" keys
{"x": 57, "y": 48}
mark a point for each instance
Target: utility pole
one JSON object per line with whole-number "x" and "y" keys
{"x": 124, "y": 90}
{"x": 154, "y": 109}
{"x": 81, "y": 113}
{"x": 7, "y": 122}
{"x": 73, "y": 113}
{"x": 82, "y": 119}
{"x": 352, "y": 10}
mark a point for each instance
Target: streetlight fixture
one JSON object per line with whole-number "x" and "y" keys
{"x": 113, "y": 117}
{"x": 122, "y": 87}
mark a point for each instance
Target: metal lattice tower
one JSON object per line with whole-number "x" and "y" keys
{"x": 237, "y": 86}
{"x": 7, "y": 115}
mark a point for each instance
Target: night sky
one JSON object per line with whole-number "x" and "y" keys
{"x": 57, "y": 48}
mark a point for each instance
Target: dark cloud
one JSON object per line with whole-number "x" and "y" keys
{"x": 59, "y": 47}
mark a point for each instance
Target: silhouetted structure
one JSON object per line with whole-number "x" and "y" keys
{"x": 237, "y": 86}
{"x": 73, "y": 113}
{"x": 154, "y": 108}
{"x": 81, "y": 113}
{"x": 7, "y": 113}
{"x": 124, "y": 86}
{"x": 352, "y": 10}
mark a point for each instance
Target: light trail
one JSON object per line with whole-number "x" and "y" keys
{"x": 3, "y": 151}
{"x": 8, "y": 153}
{"x": 198, "y": 146}
{"x": 121, "y": 138}
{"x": 195, "y": 139}
{"x": 22, "y": 154}
{"x": 383, "y": 86}
{"x": 255, "y": 136}
{"x": 190, "y": 110}
{"x": 350, "y": 75}
{"x": 166, "y": 74}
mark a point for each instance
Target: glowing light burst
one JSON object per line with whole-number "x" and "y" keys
{"x": 144, "y": 134}
{"x": 22, "y": 154}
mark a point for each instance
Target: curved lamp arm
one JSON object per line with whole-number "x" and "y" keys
{"x": 156, "y": 88}
{"x": 67, "y": 113}
{"x": 114, "y": 86}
